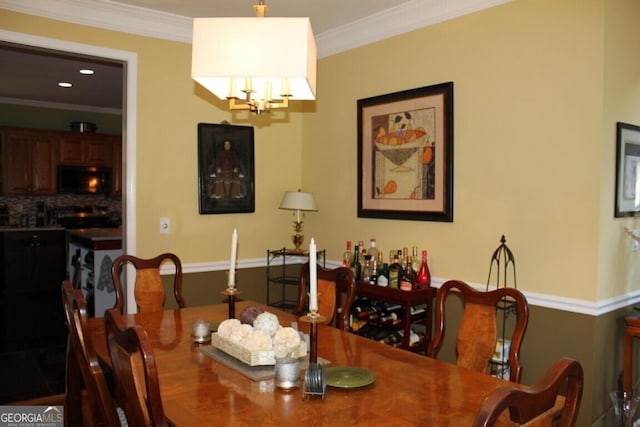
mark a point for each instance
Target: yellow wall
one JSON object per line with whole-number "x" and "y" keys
{"x": 539, "y": 85}
{"x": 529, "y": 138}
{"x": 619, "y": 269}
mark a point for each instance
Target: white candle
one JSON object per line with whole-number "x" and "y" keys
{"x": 232, "y": 264}
{"x": 313, "y": 277}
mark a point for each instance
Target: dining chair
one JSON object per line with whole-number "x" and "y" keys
{"x": 149, "y": 291}
{"x": 543, "y": 404}
{"x": 83, "y": 370}
{"x": 478, "y": 331}
{"x": 134, "y": 371}
{"x": 336, "y": 292}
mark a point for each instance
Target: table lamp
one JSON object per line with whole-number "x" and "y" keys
{"x": 298, "y": 201}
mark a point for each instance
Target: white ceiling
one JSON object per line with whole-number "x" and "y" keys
{"x": 30, "y": 76}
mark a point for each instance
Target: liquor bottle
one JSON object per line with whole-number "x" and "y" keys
{"x": 373, "y": 250}
{"x": 356, "y": 266}
{"x": 383, "y": 275}
{"x": 347, "y": 257}
{"x": 408, "y": 279}
{"x": 366, "y": 269}
{"x": 363, "y": 251}
{"x": 405, "y": 257}
{"x": 395, "y": 273}
{"x": 415, "y": 260}
{"x": 424, "y": 276}
{"x": 373, "y": 275}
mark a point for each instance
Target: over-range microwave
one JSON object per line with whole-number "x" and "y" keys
{"x": 84, "y": 180}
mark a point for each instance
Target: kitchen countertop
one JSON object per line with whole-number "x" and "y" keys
{"x": 95, "y": 234}
{"x": 20, "y": 228}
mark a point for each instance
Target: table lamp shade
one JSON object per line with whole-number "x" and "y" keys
{"x": 298, "y": 200}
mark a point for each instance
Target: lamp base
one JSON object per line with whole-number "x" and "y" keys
{"x": 297, "y": 241}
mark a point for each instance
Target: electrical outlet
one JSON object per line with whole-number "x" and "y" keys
{"x": 635, "y": 245}
{"x": 165, "y": 225}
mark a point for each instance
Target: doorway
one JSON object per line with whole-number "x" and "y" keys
{"x": 46, "y": 360}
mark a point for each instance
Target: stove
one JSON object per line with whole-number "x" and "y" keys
{"x": 88, "y": 221}
{"x": 76, "y": 217}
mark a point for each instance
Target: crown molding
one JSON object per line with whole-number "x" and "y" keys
{"x": 110, "y": 15}
{"x": 60, "y": 106}
{"x": 401, "y": 19}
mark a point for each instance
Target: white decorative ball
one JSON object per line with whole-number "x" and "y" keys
{"x": 267, "y": 322}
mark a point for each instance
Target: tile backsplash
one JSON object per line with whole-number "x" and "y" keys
{"x": 26, "y": 205}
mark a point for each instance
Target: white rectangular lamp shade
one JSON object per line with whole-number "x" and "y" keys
{"x": 227, "y": 51}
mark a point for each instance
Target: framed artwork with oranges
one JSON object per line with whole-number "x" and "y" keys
{"x": 405, "y": 155}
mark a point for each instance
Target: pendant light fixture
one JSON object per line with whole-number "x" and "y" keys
{"x": 256, "y": 63}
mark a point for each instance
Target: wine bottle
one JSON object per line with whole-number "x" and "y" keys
{"x": 408, "y": 279}
{"x": 356, "y": 266}
{"x": 424, "y": 276}
{"x": 347, "y": 257}
{"x": 366, "y": 269}
{"x": 395, "y": 273}
{"x": 383, "y": 275}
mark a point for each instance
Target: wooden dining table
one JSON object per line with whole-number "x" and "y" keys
{"x": 410, "y": 389}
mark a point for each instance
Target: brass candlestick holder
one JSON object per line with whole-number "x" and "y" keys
{"x": 315, "y": 381}
{"x": 313, "y": 318}
{"x": 231, "y": 292}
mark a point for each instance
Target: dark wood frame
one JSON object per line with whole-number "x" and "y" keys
{"x": 395, "y": 132}
{"x": 211, "y": 139}
{"x": 627, "y": 160}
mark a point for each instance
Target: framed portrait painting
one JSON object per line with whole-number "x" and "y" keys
{"x": 405, "y": 155}
{"x": 627, "y": 201}
{"x": 226, "y": 171}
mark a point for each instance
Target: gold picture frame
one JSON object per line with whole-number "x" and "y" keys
{"x": 405, "y": 155}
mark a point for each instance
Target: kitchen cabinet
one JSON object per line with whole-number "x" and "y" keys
{"x": 28, "y": 163}
{"x": 32, "y": 270}
{"x": 91, "y": 254}
{"x": 86, "y": 149}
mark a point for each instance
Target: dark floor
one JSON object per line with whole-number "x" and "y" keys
{"x": 27, "y": 374}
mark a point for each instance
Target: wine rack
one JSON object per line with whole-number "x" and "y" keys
{"x": 416, "y": 307}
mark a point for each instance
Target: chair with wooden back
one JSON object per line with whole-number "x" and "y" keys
{"x": 149, "y": 292}
{"x": 478, "y": 331}
{"x": 83, "y": 369}
{"x": 134, "y": 371}
{"x": 336, "y": 292}
{"x": 542, "y": 404}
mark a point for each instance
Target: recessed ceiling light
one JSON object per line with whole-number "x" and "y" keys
{"x": 86, "y": 71}
{"x": 65, "y": 84}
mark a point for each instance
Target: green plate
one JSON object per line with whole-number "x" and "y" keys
{"x": 349, "y": 377}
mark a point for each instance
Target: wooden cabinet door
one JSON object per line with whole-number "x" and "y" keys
{"x": 43, "y": 164}
{"x": 16, "y": 164}
{"x": 97, "y": 151}
{"x": 71, "y": 150}
{"x": 116, "y": 172}
{"x": 86, "y": 150}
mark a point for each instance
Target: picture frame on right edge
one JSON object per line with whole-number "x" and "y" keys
{"x": 627, "y": 198}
